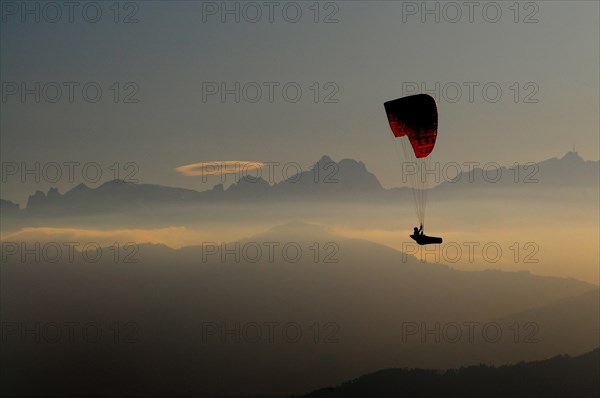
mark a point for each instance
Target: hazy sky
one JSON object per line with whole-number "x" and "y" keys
{"x": 373, "y": 53}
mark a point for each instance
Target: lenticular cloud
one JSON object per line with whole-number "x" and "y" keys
{"x": 219, "y": 167}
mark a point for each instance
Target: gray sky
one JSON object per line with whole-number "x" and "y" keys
{"x": 373, "y": 53}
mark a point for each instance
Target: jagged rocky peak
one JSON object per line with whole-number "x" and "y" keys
{"x": 38, "y": 198}
{"x": 53, "y": 192}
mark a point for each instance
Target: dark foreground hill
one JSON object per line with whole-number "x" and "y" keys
{"x": 561, "y": 376}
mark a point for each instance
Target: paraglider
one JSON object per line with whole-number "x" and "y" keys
{"x": 423, "y": 239}
{"x": 414, "y": 121}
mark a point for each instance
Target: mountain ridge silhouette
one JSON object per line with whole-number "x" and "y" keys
{"x": 346, "y": 177}
{"x": 559, "y": 376}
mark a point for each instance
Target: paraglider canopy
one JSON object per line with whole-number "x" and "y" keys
{"x": 416, "y": 117}
{"x": 414, "y": 122}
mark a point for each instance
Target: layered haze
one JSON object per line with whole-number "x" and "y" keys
{"x": 546, "y": 224}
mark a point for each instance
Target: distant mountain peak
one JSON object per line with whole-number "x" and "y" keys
{"x": 353, "y": 163}
{"x": 572, "y": 156}
{"x": 117, "y": 181}
{"x": 247, "y": 184}
{"x": 53, "y": 192}
{"x": 36, "y": 199}
{"x": 218, "y": 188}
{"x": 325, "y": 159}
{"x": 8, "y": 205}
{"x": 80, "y": 188}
